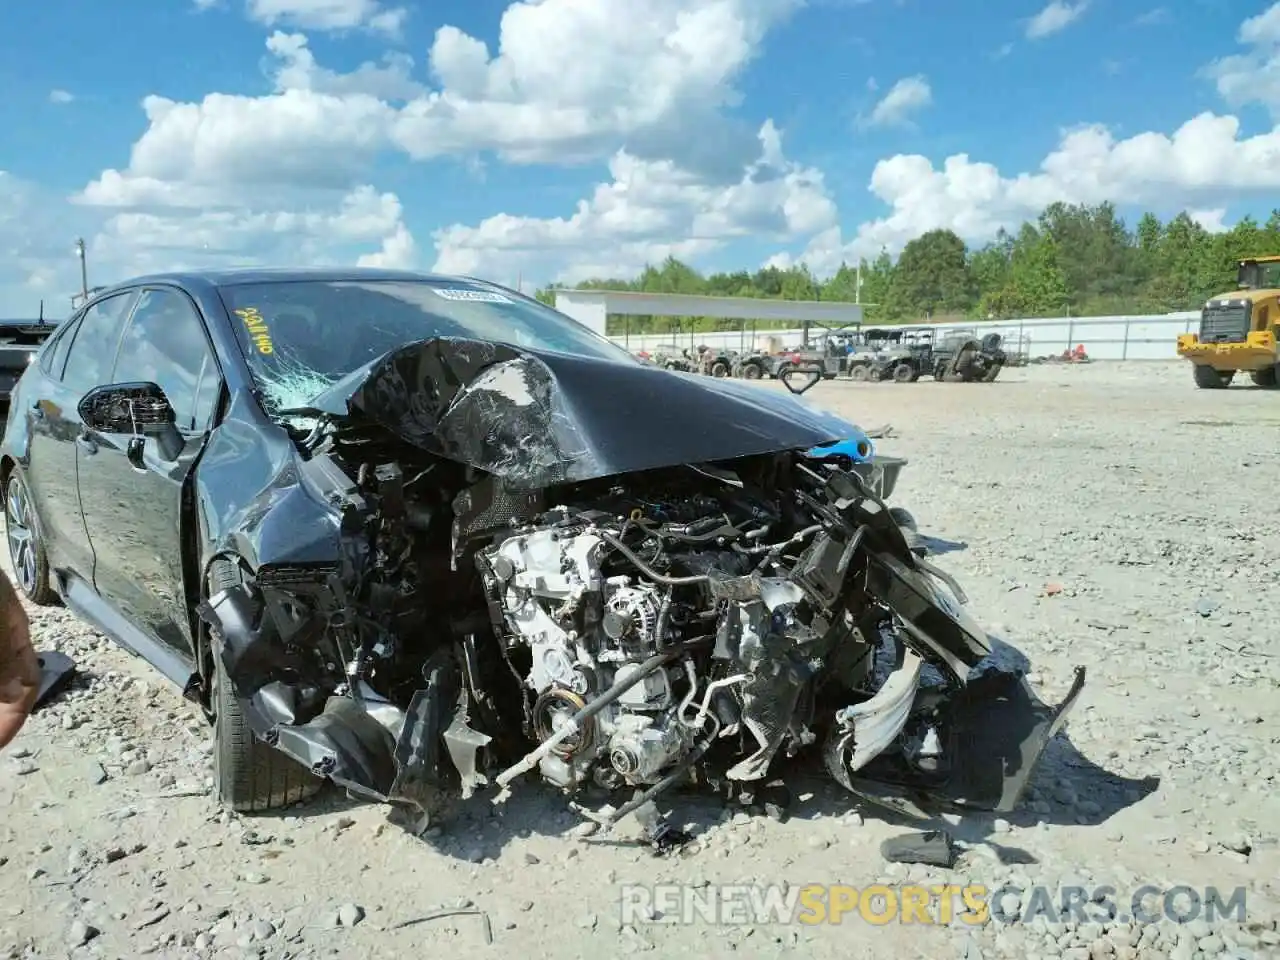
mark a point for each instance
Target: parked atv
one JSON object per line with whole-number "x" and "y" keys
{"x": 963, "y": 358}
{"x": 671, "y": 357}
{"x": 755, "y": 366}
{"x": 716, "y": 361}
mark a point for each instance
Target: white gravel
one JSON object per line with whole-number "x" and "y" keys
{"x": 1111, "y": 515}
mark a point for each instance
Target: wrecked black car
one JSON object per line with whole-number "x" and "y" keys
{"x": 422, "y": 535}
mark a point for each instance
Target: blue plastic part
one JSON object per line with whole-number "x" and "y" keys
{"x": 857, "y": 447}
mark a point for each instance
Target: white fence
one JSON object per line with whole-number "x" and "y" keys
{"x": 1104, "y": 338}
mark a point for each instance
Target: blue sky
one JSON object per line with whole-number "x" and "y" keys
{"x": 558, "y": 139}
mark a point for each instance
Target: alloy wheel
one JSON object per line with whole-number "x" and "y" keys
{"x": 20, "y": 529}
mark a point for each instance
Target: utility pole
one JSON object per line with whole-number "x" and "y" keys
{"x": 84, "y": 270}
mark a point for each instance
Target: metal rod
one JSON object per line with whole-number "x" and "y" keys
{"x": 84, "y": 270}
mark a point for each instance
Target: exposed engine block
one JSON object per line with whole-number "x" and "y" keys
{"x": 585, "y": 632}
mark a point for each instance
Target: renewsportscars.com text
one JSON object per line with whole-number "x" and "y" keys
{"x": 935, "y": 905}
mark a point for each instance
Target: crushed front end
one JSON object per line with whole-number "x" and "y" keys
{"x": 635, "y": 630}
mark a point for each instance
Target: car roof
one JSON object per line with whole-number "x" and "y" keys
{"x": 212, "y": 279}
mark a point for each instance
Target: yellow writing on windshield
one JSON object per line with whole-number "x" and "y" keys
{"x": 257, "y": 328}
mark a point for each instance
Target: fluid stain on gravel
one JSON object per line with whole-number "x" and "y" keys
{"x": 1110, "y": 489}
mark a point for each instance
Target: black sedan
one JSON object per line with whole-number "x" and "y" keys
{"x": 392, "y": 529}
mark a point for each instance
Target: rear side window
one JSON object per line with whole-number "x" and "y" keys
{"x": 55, "y": 355}
{"x": 93, "y": 344}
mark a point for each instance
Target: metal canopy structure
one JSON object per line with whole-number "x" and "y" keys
{"x": 593, "y": 307}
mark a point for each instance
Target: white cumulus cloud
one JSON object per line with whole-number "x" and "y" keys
{"x": 1055, "y": 18}
{"x": 296, "y": 69}
{"x": 648, "y": 210}
{"x": 654, "y": 77}
{"x": 905, "y": 98}
{"x": 649, "y": 94}
{"x": 1253, "y": 76}
{"x": 1204, "y": 163}
{"x": 328, "y": 14}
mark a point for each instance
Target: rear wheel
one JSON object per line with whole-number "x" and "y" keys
{"x": 26, "y": 544}
{"x": 904, "y": 373}
{"x": 1208, "y": 378}
{"x": 719, "y": 369}
{"x": 751, "y": 371}
{"x": 250, "y": 776}
{"x": 859, "y": 371}
{"x": 967, "y": 365}
{"x": 1264, "y": 378}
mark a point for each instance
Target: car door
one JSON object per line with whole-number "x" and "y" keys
{"x": 78, "y": 360}
{"x": 131, "y": 496}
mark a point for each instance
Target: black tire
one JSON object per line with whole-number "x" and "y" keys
{"x": 781, "y": 372}
{"x": 25, "y": 537}
{"x": 1264, "y": 378}
{"x": 1208, "y": 378}
{"x": 859, "y": 372}
{"x": 249, "y": 775}
{"x": 719, "y": 369}
{"x": 752, "y": 371}
{"x": 904, "y": 373}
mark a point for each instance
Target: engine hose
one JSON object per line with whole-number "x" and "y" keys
{"x": 660, "y": 625}
{"x": 666, "y": 783}
{"x": 775, "y": 548}
{"x": 574, "y": 723}
{"x": 647, "y": 570}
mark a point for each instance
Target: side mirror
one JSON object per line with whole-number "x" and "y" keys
{"x": 140, "y": 409}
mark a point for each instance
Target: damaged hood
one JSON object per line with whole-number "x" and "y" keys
{"x": 537, "y": 418}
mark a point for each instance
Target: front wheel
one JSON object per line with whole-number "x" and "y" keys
{"x": 719, "y": 369}
{"x": 751, "y": 371}
{"x": 859, "y": 372}
{"x": 1208, "y": 378}
{"x": 904, "y": 373}
{"x": 249, "y": 775}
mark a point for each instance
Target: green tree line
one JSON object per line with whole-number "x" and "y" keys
{"x": 1071, "y": 261}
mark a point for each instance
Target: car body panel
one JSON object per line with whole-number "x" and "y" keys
{"x": 536, "y": 418}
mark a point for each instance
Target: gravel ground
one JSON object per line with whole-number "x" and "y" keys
{"x": 1104, "y": 515}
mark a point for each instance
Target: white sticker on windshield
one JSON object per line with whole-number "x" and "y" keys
{"x": 472, "y": 296}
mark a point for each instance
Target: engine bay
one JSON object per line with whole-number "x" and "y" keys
{"x": 684, "y": 625}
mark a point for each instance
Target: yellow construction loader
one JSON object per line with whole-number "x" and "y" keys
{"x": 1239, "y": 330}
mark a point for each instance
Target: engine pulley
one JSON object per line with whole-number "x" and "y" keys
{"x": 551, "y": 710}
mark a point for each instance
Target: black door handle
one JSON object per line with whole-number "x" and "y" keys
{"x": 134, "y": 453}
{"x": 87, "y": 443}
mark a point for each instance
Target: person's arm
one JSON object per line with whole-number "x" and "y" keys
{"x": 19, "y": 666}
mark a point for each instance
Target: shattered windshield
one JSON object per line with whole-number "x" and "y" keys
{"x": 301, "y": 337}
